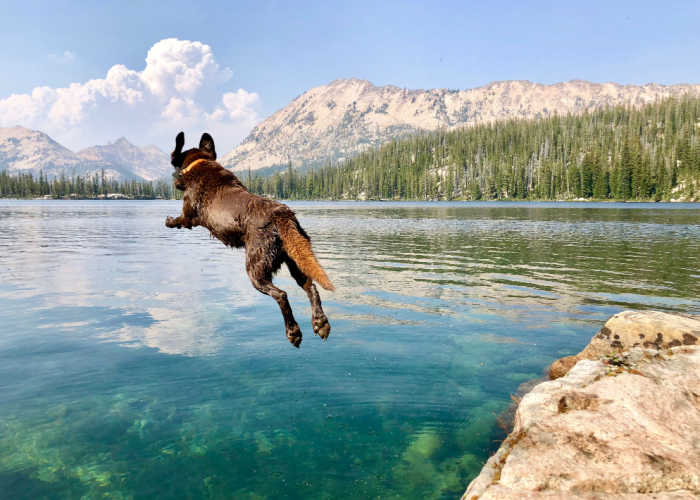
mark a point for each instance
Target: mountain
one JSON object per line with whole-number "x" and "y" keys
{"x": 149, "y": 163}
{"x": 651, "y": 152}
{"x": 30, "y": 151}
{"x": 23, "y": 150}
{"x": 348, "y": 116}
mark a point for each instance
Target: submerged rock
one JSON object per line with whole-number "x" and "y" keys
{"x": 629, "y": 329}
{"x": 626, "y": 425}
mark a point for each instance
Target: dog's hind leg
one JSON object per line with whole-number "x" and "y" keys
{"x": 290, "y": 325}
{"x": 260, "y": 264}
{"x": 318, "y": 318}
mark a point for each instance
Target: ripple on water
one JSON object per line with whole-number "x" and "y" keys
{"x": 130, "y": 352}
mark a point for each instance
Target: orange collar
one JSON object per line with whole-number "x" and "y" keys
{"x": 192, "y": 165}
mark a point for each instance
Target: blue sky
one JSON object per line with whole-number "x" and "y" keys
{"x": 273, "y": 51}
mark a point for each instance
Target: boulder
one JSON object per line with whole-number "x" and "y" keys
{"x": 629, "y": 329}
{"x": 626, "y": 426}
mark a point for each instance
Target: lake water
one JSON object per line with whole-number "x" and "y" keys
{"x": 137, "y": 361}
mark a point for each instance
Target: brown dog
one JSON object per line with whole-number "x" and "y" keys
{"x": 269, "y": 231}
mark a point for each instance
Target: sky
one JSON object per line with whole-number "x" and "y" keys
{"x": 89, "y": 72}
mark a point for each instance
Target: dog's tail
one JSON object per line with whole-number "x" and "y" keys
{"x": 297, "y": 244}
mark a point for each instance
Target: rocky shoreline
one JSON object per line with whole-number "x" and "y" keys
{"x": 619, "y": 420}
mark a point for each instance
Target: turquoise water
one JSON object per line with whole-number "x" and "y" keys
{"x": 138, "y": 362}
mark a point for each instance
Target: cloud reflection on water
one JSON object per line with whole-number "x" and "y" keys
{"x": 440, "y": 313}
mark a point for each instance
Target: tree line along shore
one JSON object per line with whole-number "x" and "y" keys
{"x": 650, "y": 153}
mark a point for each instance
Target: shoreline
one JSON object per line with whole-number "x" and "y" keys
{"x": 428, "y": 202}
{"x": 619, "y": 419}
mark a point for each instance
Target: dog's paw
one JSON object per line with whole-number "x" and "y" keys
{"x": 294, "y": 336}
{"x": 322, "y": 327}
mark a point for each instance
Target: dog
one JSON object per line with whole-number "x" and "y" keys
{"x": 270, "y": 232}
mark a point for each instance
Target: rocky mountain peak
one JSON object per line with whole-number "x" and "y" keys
{"x": 26, "y": 150}
{"x": 347, "y": 116}
{"x": 122, "y": 142}
{"x": 23, "y": 149}
{"x": 148, "y": 163}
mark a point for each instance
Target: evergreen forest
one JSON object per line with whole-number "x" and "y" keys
{"x": 616, "y": 153}
{"x": 25, "y": 185}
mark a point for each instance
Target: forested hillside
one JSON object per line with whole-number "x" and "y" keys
{"x": 349, "y": 116}
{"x": 624, "y": 153}
{"x": 84, "y": 187}
{"x": 621, "y": 153}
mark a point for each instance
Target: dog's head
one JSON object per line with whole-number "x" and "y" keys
{"x": 181, "y": 159}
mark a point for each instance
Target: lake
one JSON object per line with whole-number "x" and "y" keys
{"x": 137, "y": 361}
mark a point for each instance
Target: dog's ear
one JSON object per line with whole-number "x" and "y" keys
{"x": 206, "y": 144}
{"x": 176, "y": 157}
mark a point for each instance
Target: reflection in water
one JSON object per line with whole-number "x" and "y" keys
{"x": 137, "y": 361}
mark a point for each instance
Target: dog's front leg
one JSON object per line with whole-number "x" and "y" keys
{"x": 181, "y": 221}
{"x": 188, "y": 218}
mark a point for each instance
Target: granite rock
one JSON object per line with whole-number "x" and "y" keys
{"x": 629, "y": 329}
{"x": 623, "y": 426}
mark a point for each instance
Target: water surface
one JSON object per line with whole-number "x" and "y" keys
{"x": 137, "y": 361}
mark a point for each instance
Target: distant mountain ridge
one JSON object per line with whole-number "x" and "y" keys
{"x": 148, "y": 162}
{"x": 333, "y": 122}
{"x": 30, "y": 151}
{"x": 348, "y": 116}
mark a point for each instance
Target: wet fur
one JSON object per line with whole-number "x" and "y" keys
{"x": 269, "y": 230}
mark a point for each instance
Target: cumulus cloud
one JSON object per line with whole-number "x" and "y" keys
{"x": 147, "y": 106}
{"x": 235, "y": 105}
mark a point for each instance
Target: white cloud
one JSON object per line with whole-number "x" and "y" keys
{"x": 177, "y": 67}
{"x": 66, "y": 58}
{"x": 178, "y": 110}
{"x": 148, "y": 106}
{"x": 237, "y": 105}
